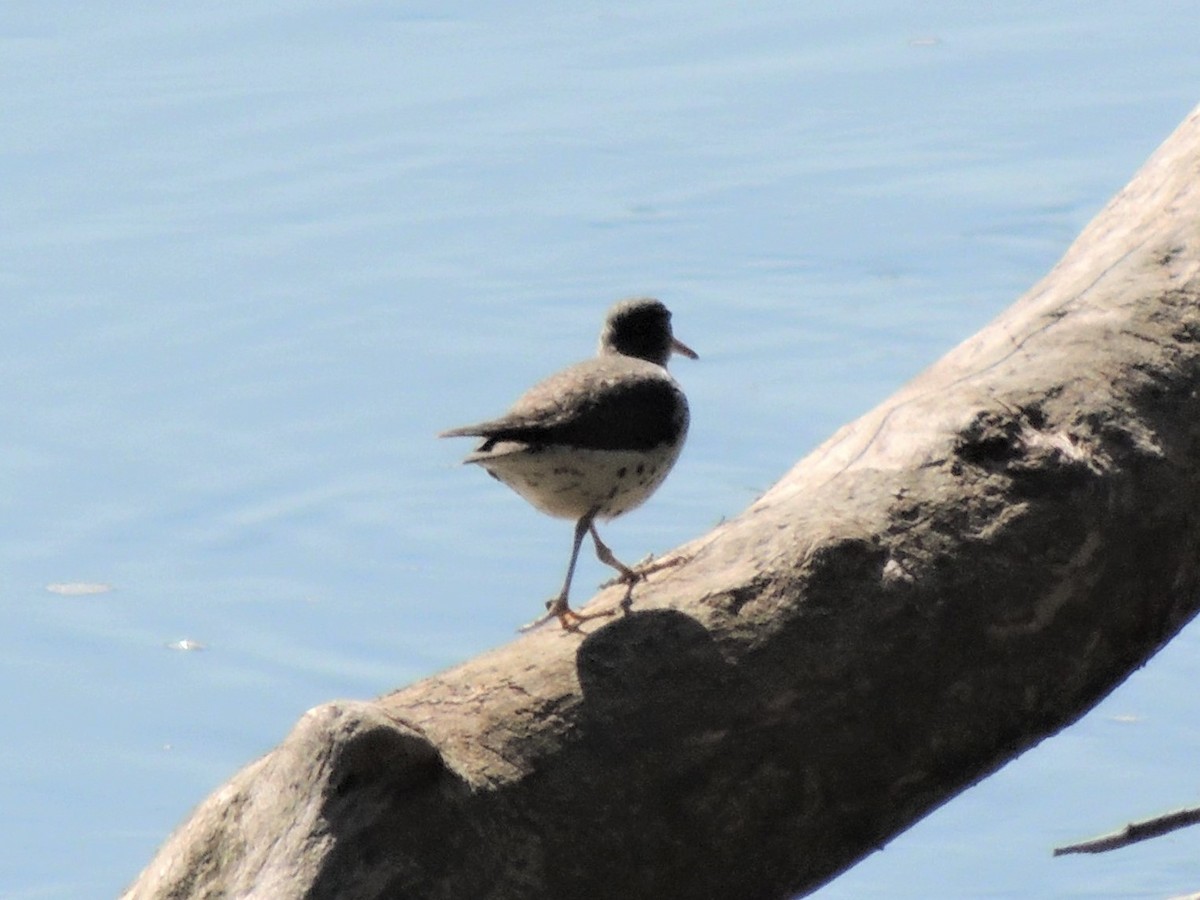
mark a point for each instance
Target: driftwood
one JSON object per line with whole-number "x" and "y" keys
{"x": 1136, "y": 832}
{"x": 945, "y": 582}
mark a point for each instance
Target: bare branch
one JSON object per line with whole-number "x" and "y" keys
{"x": 1135, "y": 832}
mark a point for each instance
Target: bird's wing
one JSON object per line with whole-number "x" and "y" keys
{"x": 605, "y": 403}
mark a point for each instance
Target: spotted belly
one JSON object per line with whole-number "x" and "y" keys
{"x": 569, "y": 482}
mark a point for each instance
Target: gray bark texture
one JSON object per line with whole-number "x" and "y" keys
{"x": 948, "y": 580}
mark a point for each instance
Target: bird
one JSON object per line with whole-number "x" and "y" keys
{"x": 594, "y": 440}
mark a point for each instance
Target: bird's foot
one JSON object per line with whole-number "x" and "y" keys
{"x": 640, "y": 572}
{"x": 568, "y": 618}
{"x": 646, "y": 567}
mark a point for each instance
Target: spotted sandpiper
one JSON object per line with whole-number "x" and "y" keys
{"x": 596, "y": 439}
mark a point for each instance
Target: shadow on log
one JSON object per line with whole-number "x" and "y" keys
{"x": 945, "y": 582}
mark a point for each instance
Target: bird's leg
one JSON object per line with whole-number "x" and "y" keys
{"x": 627, "y": 576}
{"x": 558, "y": 606}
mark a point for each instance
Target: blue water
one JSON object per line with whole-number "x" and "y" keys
{"x": 254, "y": 256}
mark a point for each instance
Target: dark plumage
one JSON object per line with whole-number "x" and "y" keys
{"x": 607, "y": 403}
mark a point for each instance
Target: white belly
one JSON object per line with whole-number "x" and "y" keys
{"x": 569, "y": 483}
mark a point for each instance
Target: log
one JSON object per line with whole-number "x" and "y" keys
{"x": 945, "y": 582}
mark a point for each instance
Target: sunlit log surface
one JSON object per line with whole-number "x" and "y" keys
{"x": 945, "y": 582}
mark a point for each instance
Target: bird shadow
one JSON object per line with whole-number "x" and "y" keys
{"x": 653, "y": 681}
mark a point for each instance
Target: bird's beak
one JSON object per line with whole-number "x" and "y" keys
{"x": 678, "y": 346}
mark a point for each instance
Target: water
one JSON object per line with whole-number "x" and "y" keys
{"x": 254, "y": 257}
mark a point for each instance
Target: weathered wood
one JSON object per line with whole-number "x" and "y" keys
{"x": 1136, "y": 832}
{"x": 945, "y": 582}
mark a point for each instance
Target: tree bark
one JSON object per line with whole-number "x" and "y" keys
{"x": 946, "y": 581}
